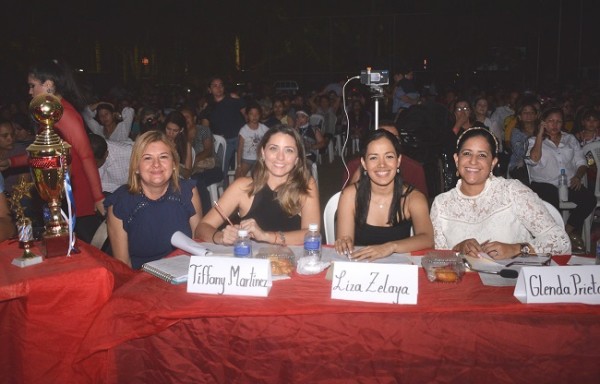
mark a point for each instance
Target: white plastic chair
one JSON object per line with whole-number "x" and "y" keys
{"x": 355, "y": 145}
{"x": 329, "y": 217}
{"x": 315, "y": 173}
{"x": 216, "y": 189}
{"x": 316, "y": 121}
{"x": 231, "y": 172}
{"x": 330, "y": 150}
{"x": 554, "y": 213}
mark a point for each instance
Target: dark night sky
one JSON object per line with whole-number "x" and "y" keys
{"x": 192, "y": 38}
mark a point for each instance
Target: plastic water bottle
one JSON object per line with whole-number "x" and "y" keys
{"x": 563, "y": 186}
{"x": 242, "y": 246}
{"x": 312, "y": 244}
{"x": 598, "y": 252}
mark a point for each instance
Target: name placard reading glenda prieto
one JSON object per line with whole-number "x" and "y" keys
{"x": 570, "y": 284}
{"x": 374, "y": 282}
{"x": 229, "y": 276}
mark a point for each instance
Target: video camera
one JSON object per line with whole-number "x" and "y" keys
{"x": 374, "y": 77}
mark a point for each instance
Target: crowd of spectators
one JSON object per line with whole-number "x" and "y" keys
{"x": 190, "y": 119}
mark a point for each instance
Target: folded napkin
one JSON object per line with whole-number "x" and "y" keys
{"x": 310, "y": 266}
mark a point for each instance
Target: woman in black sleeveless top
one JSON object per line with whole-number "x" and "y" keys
{"x": 277, "y": 202}
{"x": 379, "y": 210}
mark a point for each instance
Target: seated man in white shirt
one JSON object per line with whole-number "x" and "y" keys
{"x": 112, "y": 159}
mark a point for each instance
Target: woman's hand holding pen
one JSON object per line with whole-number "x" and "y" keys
{"x": 231, "y": 231}
{"x": 230, "y": 234}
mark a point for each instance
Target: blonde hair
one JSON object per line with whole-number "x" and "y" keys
{"x": 137, "y": 152}
{"x": 291, "y": 194}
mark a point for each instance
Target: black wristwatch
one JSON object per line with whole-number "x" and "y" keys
{"x": 525, "y": 248}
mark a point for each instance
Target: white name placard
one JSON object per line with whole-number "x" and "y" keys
{"x": 374, "y": 282}
{"x": 577, "y": 284}
{"x": 229, "y": 276}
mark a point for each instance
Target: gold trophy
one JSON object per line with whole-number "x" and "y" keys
{"x": 48, "y": 160}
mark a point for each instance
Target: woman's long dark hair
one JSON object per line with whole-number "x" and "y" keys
{"x": 60, "y": 73}
{"x": 363, "y": 188}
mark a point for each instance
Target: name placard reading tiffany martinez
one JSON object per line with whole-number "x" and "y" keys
{"x": 374, "y": 282}
{"x": 229, "y": 276}
{"x": 571, "y": 284}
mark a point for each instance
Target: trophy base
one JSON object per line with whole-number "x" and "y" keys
{"x": 23, "y": 262}
{"x": 53, "y": 246}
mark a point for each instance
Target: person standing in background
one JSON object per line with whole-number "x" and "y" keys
{"x": 225, "y": 116}
{"x": 250, "y": 136}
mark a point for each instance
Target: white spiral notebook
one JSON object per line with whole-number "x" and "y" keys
{"x": 173, "y": 270}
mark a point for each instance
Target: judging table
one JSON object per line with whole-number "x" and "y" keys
{"x": 150, "y": 331}
{"x": 89, "y": 319}
{"x": 47, "y": 309}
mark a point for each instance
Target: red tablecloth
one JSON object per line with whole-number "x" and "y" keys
{"x": 151, "y": 331}
{"x": 46, "y": 310}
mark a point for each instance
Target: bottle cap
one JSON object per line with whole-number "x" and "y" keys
{"x": 242, "y": 233}
{"x": 313, "y": 227}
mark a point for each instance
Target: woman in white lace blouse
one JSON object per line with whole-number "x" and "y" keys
{"x": 484, "y": 213}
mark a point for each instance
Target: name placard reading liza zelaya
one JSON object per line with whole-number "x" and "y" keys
{"x": 229, "y": 276}
{"x": 374, "y": 282}
{"x": 570, "y": 284}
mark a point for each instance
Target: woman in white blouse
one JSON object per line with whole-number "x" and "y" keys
{"x": 549, "y": 151}
{"x": 484, "y": 213}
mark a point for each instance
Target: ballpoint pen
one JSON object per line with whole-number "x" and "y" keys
{"x": 218, "y": 208}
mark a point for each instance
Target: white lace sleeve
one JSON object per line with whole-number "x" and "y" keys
{"x": 438, "y": 234}
{"x": 549, "y": 237}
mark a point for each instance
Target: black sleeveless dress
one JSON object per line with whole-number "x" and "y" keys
{"x": 372, "y": 235}
{"x": 268, "y": 213}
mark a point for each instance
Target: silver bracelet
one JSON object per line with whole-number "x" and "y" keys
{"x": 282, "y": 237}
